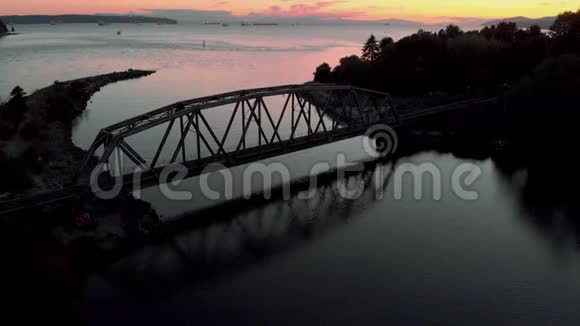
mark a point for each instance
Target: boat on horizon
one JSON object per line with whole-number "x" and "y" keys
{"x": 259, "y": 24}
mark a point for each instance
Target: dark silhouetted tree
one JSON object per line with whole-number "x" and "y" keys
{"x": 3, "y": 28}
{"x": 385, "y": 42}
{"x": 322, "y": 74}
{"x": 566, "y": 29}
{"x": 543, "y": 107}
{"x": 385, "y": 46}
{"x": 371, "y": 49}
{"x": 13, "y": 112}
{"x": 535, "y": 31}
{"x": 17, "y": 97}
{"x": 453, "y": 61}
{"x": 567, "y": 23}
{"x": 488, "y": 32}
{"x": 451, "y": 31}
{"x": 506, "y": 32}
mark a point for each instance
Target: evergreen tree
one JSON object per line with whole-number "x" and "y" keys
{"x": 371, "y": 49}
{"x": 3, "y": 28}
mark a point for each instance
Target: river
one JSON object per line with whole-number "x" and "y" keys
{"x": 373, "y": 259}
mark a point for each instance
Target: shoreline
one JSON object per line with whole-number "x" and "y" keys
{"x": 8, "y": 34}
{"x": 50, "y": 157}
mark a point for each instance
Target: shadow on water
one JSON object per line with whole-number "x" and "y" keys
{"x": 214, "y": 242}
{"x": 548, "y": 199}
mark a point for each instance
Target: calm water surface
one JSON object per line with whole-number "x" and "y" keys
{"x": 374, "y": 259}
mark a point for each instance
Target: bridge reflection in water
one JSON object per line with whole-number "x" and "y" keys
{"x": 214, "y": 242}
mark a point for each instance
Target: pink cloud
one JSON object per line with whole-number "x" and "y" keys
{"x": 311, "y": 10}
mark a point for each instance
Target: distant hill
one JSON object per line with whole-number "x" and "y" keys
{"x": 401, "y": 22}
{"x": 88, "y": 19}
{"x": 525, "y": 22}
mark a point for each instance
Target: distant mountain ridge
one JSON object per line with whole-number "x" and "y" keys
{"x": 88, "y": 19}
{"x": 544, "y": 22}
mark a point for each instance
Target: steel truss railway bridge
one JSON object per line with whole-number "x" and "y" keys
{"x": 299, "y": 117}
{"x": 231, "y": 129}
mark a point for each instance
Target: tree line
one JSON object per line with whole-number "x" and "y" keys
{"x": 452, "y": 60}
{"x": 537, "y": 73}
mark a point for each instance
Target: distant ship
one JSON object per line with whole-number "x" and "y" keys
{"x": 225, "y": 25}
{"x": 259, "y": 24}
{"x": 212, "y": 23}
{"x": 102, "y": 23}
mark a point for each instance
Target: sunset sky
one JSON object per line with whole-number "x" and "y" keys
{"x": 423, "y": 10}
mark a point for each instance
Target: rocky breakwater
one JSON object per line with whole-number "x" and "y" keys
{"x": 36, "y": 149}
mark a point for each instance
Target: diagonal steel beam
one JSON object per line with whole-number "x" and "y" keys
{"x": 245, "y": 129}
{"x": 181, "y": 140}
{"x": 132, "y": 155}
{"x": 182, "y": 132}
{"x": 226, "y": 133}
{"x": 196, "y": 125}
{"x": 295, "y": 123}
{"x": 320, "y": 121}
{"x": 253, "y": 114}
{"x": 363, "y": 118}
{"x": 281, "y": 116}
{"x": 162, "y": 144}
{"x": 212, "y": 134}
{"x": 306, "y": 117}
{"x": 321, "y": 115}
{"x": 275, "y": 132}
